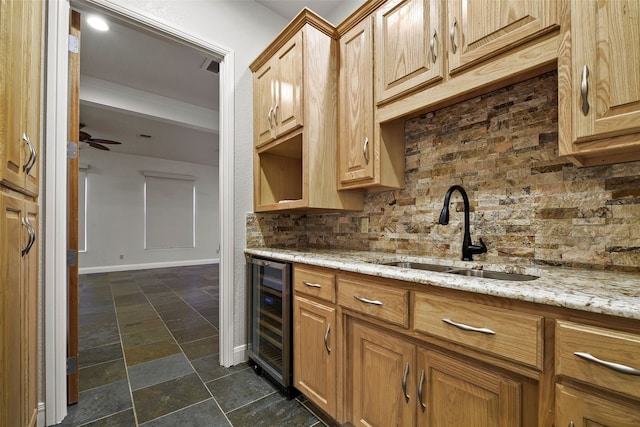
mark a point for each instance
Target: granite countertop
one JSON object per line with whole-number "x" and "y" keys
{"x": 612, "y": 293}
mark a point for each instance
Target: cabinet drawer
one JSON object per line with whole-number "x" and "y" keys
{"x": 381, "y": 302}
{"x": 607, "y": 346}
{"x": 319, "y": 284}
{"x": 505, "y": 333}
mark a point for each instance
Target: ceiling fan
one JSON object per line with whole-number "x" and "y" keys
{"x": 95, "y": 142}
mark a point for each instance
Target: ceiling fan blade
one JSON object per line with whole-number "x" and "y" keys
{"x": 103, "y": 141}
{"x": 84, "y": 136}
{"x": 98, "y": 146}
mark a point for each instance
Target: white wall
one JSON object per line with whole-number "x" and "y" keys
{"x": 115, "y": 213}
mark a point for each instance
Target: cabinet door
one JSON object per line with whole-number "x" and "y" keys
{"x": 382, "y": 388}
{"x": 579, "y": 409}
{"x": 30, "y": 292}
{"x": 455, "y": 393}
{"x": 20, "y": 52}
{"x": 606, "y": 63}
{"x": 263, "y": 104}
{"x": 407, "y": 39}
{"x": 13, "y": 238}
{"x": 288, "y": 106}
{"x": 357, "y": 150}
{"x": 314, "y": 360}
{"x": 480, "y": 29}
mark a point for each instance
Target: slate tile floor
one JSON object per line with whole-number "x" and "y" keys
{"x": 149, "y": 357}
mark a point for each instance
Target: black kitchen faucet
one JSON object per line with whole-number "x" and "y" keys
{"x": 468, "y": 249}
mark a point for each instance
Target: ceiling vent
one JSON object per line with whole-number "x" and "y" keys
{"x": 211, "y": 65}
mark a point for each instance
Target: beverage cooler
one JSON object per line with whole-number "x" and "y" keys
{"x": 269, "y": 320}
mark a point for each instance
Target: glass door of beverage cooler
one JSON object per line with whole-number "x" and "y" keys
{"x": 270, "y": 330}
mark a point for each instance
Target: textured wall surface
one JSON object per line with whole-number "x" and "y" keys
{"x": 528, "y": 205}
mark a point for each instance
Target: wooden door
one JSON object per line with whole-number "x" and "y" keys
{"x": 13, "y": 239}
{"x": 264, "y": 102}
{"x": 357, "y": 146}
{"x": 288, "y": 112}
{"x": 314, "y": 352}
{"x": 73, "y": 384}
{"x": 579, "y": 409}
{"x": 382, "y": 386}
{"x": 480, "y": 29}
{"x": 606, "y": 59}
{"x": 408, "y": 44}
{"x": 459, "y": 394}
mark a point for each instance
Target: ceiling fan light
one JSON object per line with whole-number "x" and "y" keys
{"x": 98, "y": 23}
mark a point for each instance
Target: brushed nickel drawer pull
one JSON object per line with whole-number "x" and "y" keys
{"x": 420, "y": 390}
{"x": 326, "y": 339}
{"x": 404, "y": 382}
{"x": 32, "y": 236}
{"x": 452, "y": 35}
{"x": 270, "y": 118}
{"x": 571, "y": 424}
{"x": 311, "y": 285}
{"x": 584, "y": 90}
{"x": 469, "y": 328}
{"x": 275, "y": 114}
{"x": 367, "y": 300}
{"x": 623, "y": 369}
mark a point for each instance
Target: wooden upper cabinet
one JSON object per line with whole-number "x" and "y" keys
{"x": 480, "y": 29}
{"x": 599, "y": 82}
{"x": 278, "y": 86}
{"x": 355, "y": 112}
{"x": 408, "y": 46}
{"x": 20, "y": 63}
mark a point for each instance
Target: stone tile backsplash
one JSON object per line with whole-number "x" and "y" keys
{"x": 528, "y": 205}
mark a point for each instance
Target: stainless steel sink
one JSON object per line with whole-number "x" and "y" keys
{"x": 498, "y": 275}
{"x": 419, "y": 266}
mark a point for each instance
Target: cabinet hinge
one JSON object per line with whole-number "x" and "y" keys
{"x": 72, "y": 150}
{"x": 72, "y": 365}
{"x": 72, "y": 257}
{"x": 74, "y": 44}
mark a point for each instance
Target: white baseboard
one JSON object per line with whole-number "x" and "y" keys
{"x": 146, "y": 266}
{"x": 40, "y": 421}
{"x": 240, "y": 354}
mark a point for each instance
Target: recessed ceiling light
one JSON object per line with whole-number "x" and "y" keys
{"x": 98, "y": 23}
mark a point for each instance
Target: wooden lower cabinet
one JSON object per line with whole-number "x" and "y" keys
{"x": 382, "y": 385}
{"x": 395, "y": 382}
{"x": 18, "y": 311}
{"x": 576, "y": 408}
{"x": 454, "y": 393}
{"x": 314, "y": 365}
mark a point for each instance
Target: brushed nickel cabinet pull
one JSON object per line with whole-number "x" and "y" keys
{"x": 404, "y": 382}
{"x": 420, "y": 390}
{"x": 364, "y": 150}
{"x": 367, "y": 300}
{"x": 584, "y": 90}
{"x": 311, "y": 285}
{"x": 275, "y": 114}
{"x": 270, "y": 118}
{"x": 32, "y": 155}
{"x": 452, "y": 35}
{"x": 432, "y": 46}
{"x": 326, "y": 339}
{"x": 32, "y": 236}
{"x": 571, "y": 424}
{"x": 617, "y": 367}
{"x": 469, "y": 328}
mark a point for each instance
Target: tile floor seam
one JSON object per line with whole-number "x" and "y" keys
{"x": 124, "y": 357}
{"x": 252, "y": 402}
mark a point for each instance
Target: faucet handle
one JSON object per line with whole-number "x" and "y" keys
{"x": 478, "y": 249}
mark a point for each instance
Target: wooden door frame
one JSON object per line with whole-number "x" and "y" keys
{"x": 54, "y": 252}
